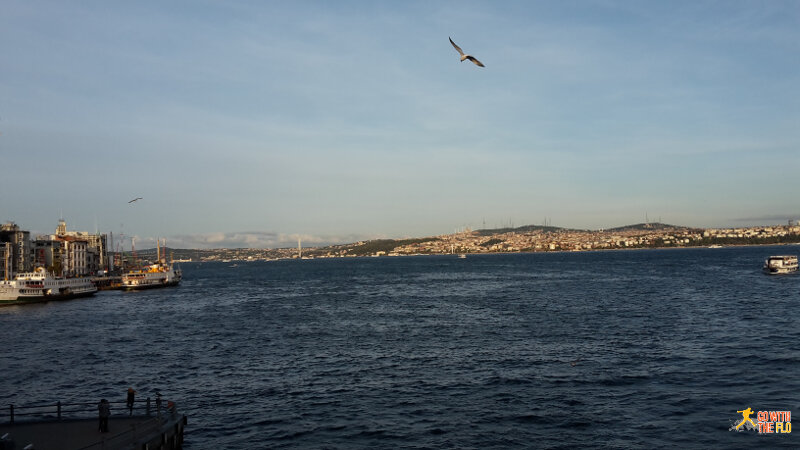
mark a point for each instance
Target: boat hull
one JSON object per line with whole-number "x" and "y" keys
{"x": 779, "y": 271}
{"x": 43, "y": 288}
{"x": 21, "y": 300}
{"x": 139, "y": 287}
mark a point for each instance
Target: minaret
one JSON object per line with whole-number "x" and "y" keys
{"x": 299, "y": 249}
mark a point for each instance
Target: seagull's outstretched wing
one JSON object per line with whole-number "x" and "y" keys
{"x": 458, "y": 49}
{"x": 137, "y": 198}
{"x": 464, "y": 55}
{"x": 477, "y": 63}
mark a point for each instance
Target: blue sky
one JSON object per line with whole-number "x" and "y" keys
{"x": 251, "y": 123}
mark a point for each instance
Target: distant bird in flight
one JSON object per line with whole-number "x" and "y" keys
{"x": 465, "y": 56}
{"x": 137, "y": 198}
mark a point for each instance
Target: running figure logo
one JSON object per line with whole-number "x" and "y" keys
{"x": 746, "y": 418}
{"x": 765, "y": 422}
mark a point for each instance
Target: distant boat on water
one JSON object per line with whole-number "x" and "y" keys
{"x": 776, "y": 265}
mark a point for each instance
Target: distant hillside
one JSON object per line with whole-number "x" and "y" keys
{"x": 522, "y": 229}
{"x": 653, "y": 226}
{"x": 385, "y": 245}
{"x": 525, "y": 238}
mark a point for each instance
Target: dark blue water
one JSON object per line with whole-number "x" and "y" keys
{"x": 627, "y": 349}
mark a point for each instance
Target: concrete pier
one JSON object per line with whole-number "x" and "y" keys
{"x": 161, "y": 430}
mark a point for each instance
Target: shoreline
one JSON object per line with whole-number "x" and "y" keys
{"x": 685, "y": 247}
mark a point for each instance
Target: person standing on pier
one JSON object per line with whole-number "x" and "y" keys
{"x": 104, "y": 410}
{"x": 158, "y": 405}
{"x": 131, "y": 396}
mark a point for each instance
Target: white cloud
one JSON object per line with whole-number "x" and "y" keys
{"x": 255, "y": 239}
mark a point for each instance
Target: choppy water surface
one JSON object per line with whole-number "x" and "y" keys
{"x": 622, "y": 349}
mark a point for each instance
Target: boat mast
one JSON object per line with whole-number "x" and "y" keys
{"x": 109, "y": 251}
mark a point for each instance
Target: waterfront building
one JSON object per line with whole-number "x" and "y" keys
{"x": 15, "y": 246}
{"x": 71, "y": 253}
{"x": 74, "y": 261}
{"x": 5, "y": 261}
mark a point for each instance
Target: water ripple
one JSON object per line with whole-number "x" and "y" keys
{"x": 630, "y": 349}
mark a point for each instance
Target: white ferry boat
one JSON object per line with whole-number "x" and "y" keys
{"x": 160, "y": 274}
{"x": 780, "y": 264}
{"x": 40, "y": 285}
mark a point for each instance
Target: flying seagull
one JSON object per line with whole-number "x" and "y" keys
{"x": 137, "y": 198}
{"x": 464, "y": 56}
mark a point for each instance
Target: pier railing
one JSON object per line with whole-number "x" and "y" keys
{"x": 59, "y": 410}
{"x": 161, "y": 426}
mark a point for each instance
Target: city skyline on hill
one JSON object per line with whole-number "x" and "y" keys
{"x": 122, "y": 242}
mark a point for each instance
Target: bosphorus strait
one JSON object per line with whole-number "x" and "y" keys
{"x": 616, "y": 349}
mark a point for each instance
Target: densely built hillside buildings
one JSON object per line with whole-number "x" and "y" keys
{"x": 65, "y": 253}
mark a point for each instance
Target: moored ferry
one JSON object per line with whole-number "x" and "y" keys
{"x": 40, "y": 285}
{"x": 780, "y": 264}
{"x": 160, "y": 274}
